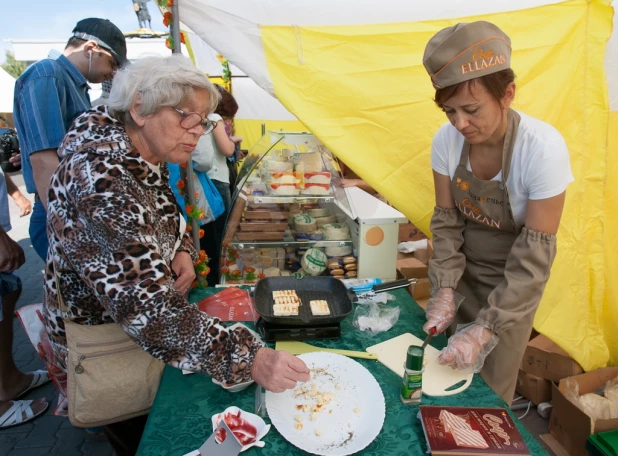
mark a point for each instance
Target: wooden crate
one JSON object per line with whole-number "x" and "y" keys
{"x": 260, "y": 235}
{"x": 265, "y": 215}
{"x": 263, "y": 226}
{"x": 234, "y": 219}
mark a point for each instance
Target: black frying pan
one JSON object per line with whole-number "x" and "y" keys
{"x": 329, "y": 289}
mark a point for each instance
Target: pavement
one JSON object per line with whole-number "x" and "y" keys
{"x": 47, "y": 434}
{"x": 52, "y": 435}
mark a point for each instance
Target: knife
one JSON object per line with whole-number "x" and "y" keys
{"x": 432, "y": 332}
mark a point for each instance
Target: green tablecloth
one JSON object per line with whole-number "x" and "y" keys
{"x": 180, "y": 419}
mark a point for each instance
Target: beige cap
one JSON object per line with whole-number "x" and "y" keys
{"x": 466, "y": 51}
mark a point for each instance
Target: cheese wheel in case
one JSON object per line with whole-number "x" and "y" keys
{"x": 305, "y": 224}
{"x": 336, "y": 251}
{"x": 321, "y": 221}
{"x": 314, "y": 262}
{"x": 336, "y": 232}
{"x": 321, "y": 212}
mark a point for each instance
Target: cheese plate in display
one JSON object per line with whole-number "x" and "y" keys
{"x": 340, "y": 411}
{"x": 437, "y": 379}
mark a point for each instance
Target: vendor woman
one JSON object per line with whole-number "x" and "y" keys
{"x": 500, "y": 178}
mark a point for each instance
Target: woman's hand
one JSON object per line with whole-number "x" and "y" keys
{"x": 278, "y": 370}
{"x": 468, "y": 348}
{"x": 182, "y": 265}
{"x": 440, "y": 310}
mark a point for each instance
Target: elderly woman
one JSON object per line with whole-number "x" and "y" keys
{"x": 120, "y": 244}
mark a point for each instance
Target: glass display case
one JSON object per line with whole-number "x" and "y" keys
{"x": 291, "y": 214}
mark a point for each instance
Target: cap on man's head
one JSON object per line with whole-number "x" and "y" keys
{"x": 105, "y": 34}
{"x": 466, "y": 51}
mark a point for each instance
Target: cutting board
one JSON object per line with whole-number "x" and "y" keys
{"x": 436, "y": 378}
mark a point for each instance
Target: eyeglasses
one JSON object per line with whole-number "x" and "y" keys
{"x": 193, "y": 119}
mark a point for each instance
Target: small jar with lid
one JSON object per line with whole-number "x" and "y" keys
{"x": 412, "y": 386}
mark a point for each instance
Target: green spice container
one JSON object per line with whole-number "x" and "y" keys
{"x": 412, "y": 386}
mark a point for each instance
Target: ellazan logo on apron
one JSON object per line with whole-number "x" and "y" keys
{"x": 481, "y": 60}
{"x": 467, "y": 207}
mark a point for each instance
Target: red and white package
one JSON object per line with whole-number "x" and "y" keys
{"x": 231, "y": 304}
{"x": 469, "y": 438}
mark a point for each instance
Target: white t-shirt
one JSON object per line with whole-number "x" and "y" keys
{"x": 219, "y": 170}
{"x": 540, "y": 167}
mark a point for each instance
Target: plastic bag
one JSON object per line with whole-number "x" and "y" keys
{"x": 374, "y": 318}
{"x": 611, "y": 391}
{"x": 375, "y": 298}
{"x": 595, "y": 406}
{"x": 412, "y": 246}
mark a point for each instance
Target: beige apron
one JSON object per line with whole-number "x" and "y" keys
{"x": 490, "y": 231}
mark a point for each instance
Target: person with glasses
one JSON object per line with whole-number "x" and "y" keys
{"x": 119, "y": 242}
{"x": 59, "y": 83}
{"x": 211, "y": 157}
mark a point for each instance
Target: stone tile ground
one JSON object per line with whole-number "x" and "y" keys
{"x": 51, "y": 435}
{"x": 48, "y": 434}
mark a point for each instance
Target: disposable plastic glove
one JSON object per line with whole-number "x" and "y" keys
{"x": 441, "y": 309}
{"x": 468, "y": 347}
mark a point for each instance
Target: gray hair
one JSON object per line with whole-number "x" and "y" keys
{"x": 160, "y": 81}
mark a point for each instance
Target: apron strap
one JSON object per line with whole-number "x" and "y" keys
{"x": 512, "y": 124}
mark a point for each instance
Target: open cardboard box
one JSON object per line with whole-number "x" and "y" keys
{"x": 568, "y": 423}
{"x": 414, "y": 269}
{"x": 547, "y": 360}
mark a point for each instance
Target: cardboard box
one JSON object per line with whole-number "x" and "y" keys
{"x": 533, "y": 388}
{"x": 409, "y": 232}
{"x": 424, "y": 255}
{"x": 568, "y": 423}
{"x": 414, "y": 269}
{"x": 545, "y": 359}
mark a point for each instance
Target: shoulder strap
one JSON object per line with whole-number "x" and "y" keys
{"x": 61, "y": 304}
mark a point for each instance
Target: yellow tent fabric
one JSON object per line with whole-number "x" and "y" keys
{"x": 610, "y": 240}
{"x": 364, "y": 92}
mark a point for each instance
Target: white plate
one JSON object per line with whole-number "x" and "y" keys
{"x": 344, "y": 431}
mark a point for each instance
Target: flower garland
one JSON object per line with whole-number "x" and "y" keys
{"x": 193, "y": 213}
{"x": 165, "y": 6}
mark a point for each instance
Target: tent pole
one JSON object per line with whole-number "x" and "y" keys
{"x": 176, "y": 28}
{"x": 185, "y": 173}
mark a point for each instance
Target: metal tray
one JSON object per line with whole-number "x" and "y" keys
{"x": 332, "y": 290}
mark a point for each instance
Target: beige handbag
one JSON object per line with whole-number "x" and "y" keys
{"x": 109, "y": 377}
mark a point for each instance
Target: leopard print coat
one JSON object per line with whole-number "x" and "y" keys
{"x": 114, "y": 228}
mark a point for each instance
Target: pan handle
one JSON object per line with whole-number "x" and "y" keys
{"x": 393, "y": 285}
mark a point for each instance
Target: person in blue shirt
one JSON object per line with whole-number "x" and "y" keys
{"x": 49, "y": 96}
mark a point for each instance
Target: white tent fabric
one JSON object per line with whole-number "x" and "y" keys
{"x": 7, "y": 87}
{"x": 232, "y": 28}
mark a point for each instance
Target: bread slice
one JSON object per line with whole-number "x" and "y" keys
{"x": 279, "y": 293}
{"x": 319, "y": 307}
{"x": 285, "y": 310}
